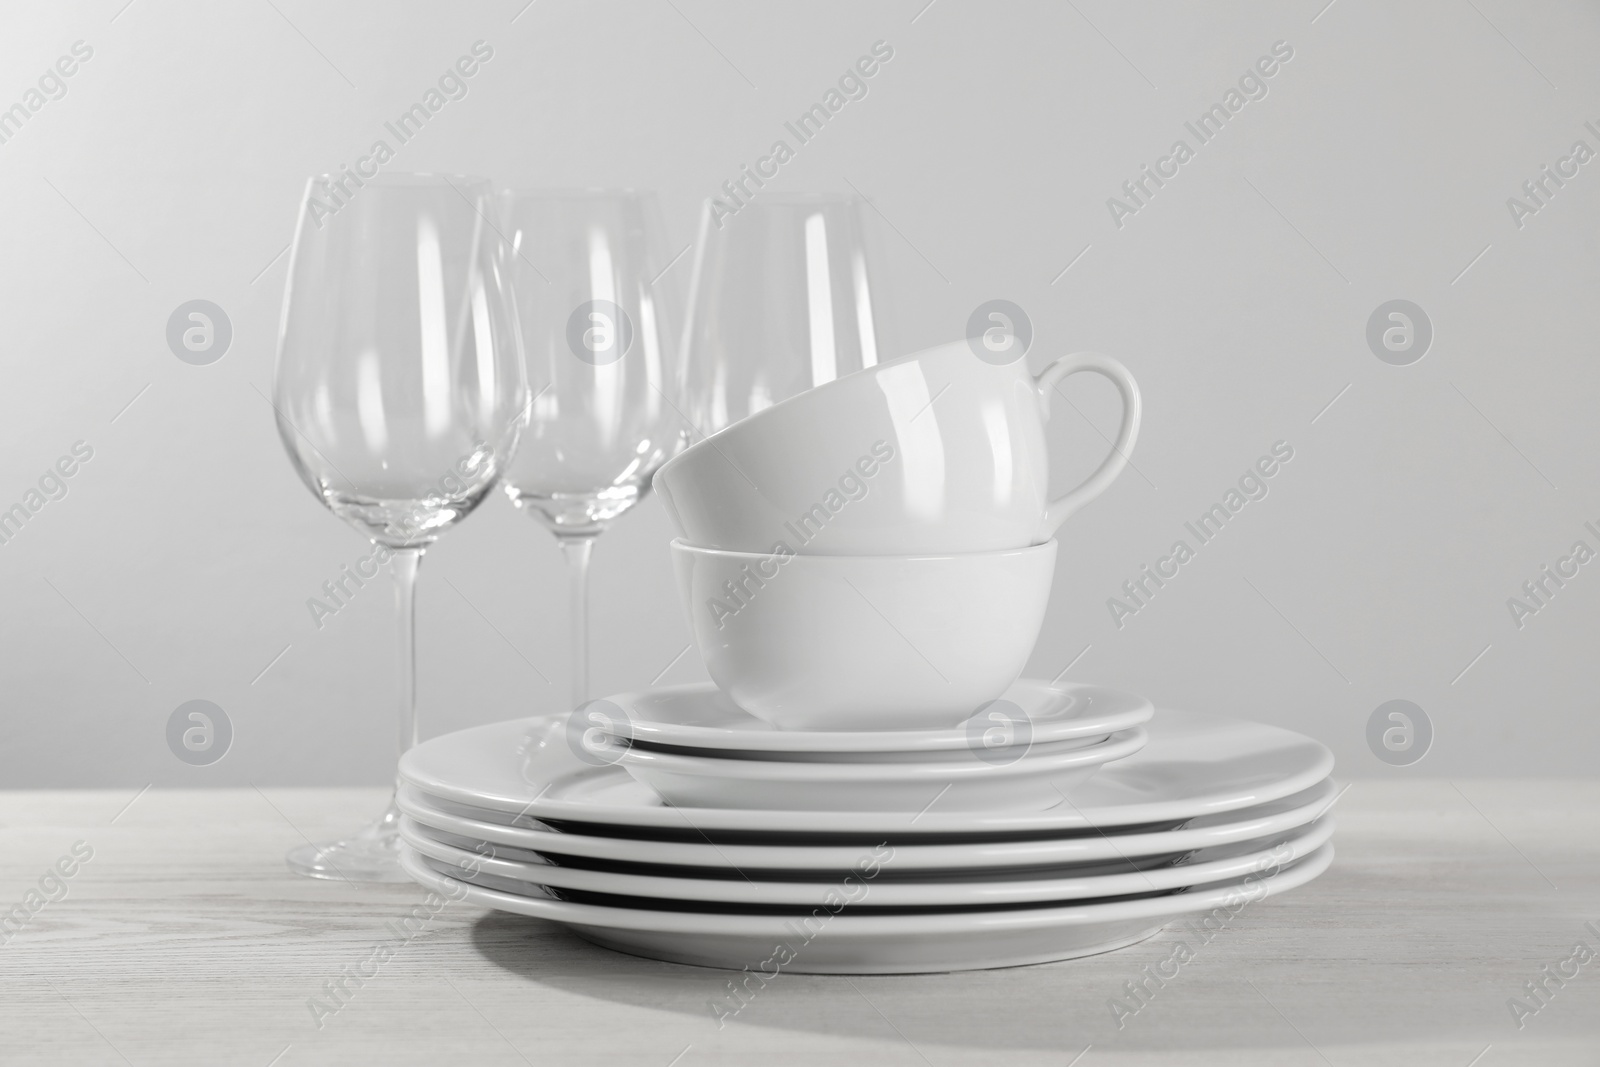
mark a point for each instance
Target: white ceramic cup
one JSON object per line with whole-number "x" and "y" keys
{"x": 935, "y": 452}
{"x": 864, "y": 642}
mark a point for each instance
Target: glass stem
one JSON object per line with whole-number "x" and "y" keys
{"x": 577, "y": 550}
{"x": 406, "y": 562}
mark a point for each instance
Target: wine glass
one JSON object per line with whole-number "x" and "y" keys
{"x": 400, "y": 394}
{"x": 782, "y": 298}
{"x": 597, "y": 310}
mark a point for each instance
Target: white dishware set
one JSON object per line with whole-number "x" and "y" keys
{"x": 865, "y": 559}
{"x": 868, "y": 787}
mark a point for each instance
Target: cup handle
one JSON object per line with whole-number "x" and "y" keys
{"x": 1114, "y": 463}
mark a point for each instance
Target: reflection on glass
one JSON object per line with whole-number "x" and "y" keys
{"x": 399, "y": 395}
{"x": 597, "y": 306}
{"x": 780, "y": 302}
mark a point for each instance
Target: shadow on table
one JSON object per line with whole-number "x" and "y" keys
{"x": 1060, "y": 1007}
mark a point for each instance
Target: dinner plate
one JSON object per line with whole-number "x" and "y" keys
{"x": 845, "y": 941}
{"x": 491, "y": 867}
{"x": 701, "y": 716}
{"x": 1031, "y": 781}
{"x": 1194, "y": 764}
{"x": 695, "y": 850}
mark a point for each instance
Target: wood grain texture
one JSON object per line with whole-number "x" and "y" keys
{"x": 184, "y": 940}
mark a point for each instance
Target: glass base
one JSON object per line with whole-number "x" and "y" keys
{"x": 372, "y": 854}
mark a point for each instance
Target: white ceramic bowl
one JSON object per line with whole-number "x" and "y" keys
{"x": 864, "y": 642}
{"x": 1038, "y": 780}
{"x": 938, "y": 451}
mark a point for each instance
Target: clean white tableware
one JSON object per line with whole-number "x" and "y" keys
{"x": 938, "y": 451}
{"x": 864, "y": 642}
{"x": 1194, "y": 764}
{"x": 824, "y": 941}
{"x": 697, "y": 848}
{"x": 1040, "y": 778}
{"x": 517, "y": 871}
{"x": 699, "y": 716}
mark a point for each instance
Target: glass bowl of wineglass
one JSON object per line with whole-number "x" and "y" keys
{"x": 598, "y": 310}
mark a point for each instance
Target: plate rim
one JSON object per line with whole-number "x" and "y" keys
{"x": 723, "y": 738}
{"x": 1303, "y": 840}
{"x": 846, "y": 923}
{"x": 1118, "y": 745}
{"x": 967, "y": 855}
{"x": 661, "y": 816}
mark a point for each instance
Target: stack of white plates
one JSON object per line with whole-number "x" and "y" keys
{"x": 1210, "y": 813}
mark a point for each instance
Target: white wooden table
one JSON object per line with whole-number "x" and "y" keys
{"x": 184, "y": 940}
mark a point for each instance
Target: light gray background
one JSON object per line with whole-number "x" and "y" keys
{"x": 1378, "y": 167}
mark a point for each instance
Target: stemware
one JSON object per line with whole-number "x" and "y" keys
{"x": 596, "y": 302}
{"x": 784, "y": 297}
{"x": 400, "y": 394}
